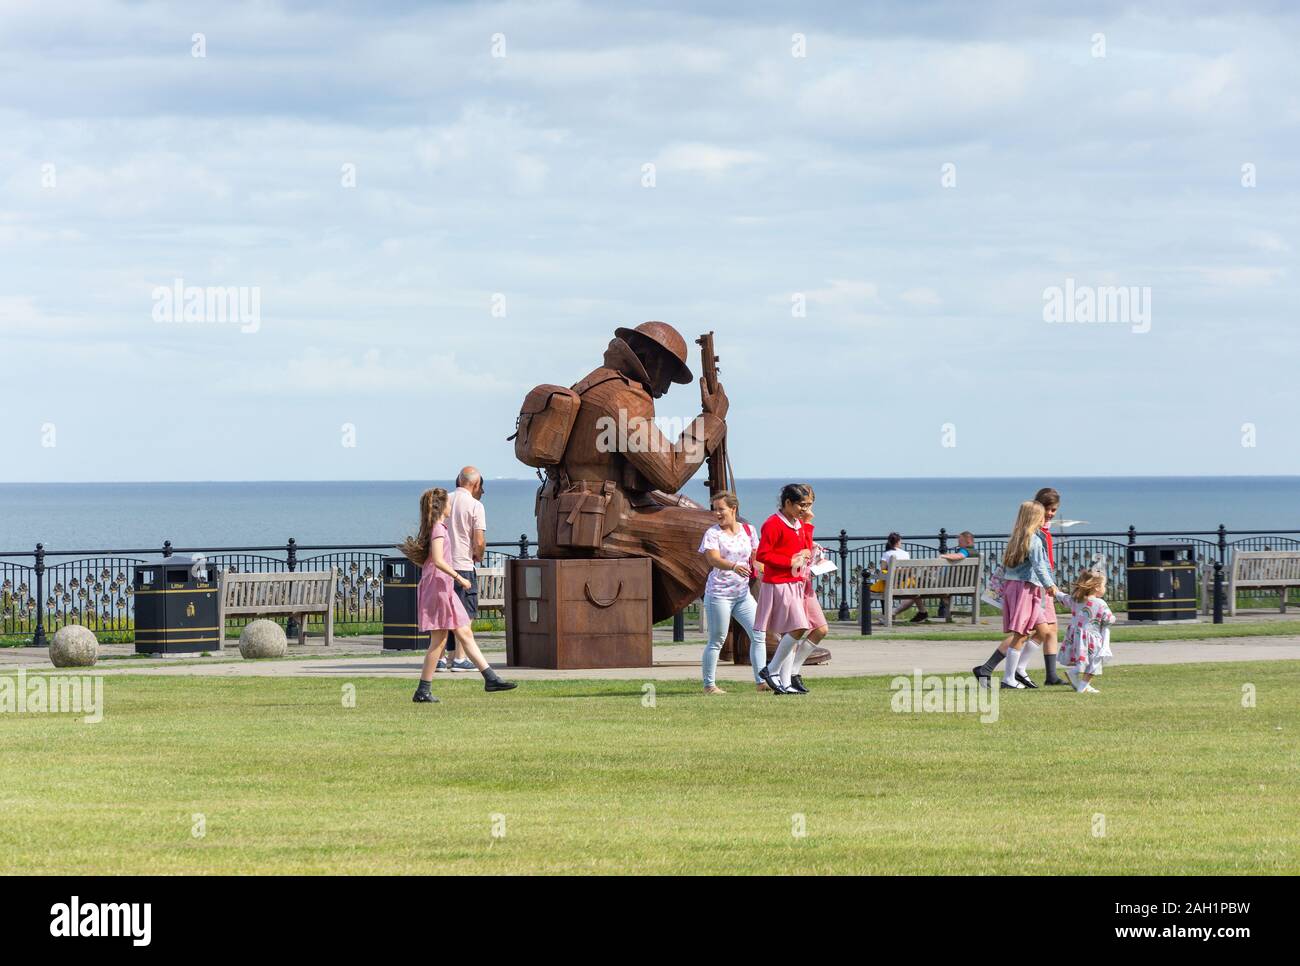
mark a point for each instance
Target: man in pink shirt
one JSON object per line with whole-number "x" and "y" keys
{"x": 466, "y": 543}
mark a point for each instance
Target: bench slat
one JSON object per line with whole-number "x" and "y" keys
{"x": 933, "y": 577}
{"x": 302, "y": 592}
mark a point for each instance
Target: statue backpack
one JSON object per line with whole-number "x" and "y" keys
{"x": 545, "y": 420}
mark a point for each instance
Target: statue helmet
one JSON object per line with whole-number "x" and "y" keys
{"x": 667, "y": 338}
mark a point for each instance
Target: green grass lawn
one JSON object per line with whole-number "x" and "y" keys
{"x": 588, "y": 779}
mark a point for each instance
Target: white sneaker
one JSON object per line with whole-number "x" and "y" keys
{"x": 1090, "y": 690}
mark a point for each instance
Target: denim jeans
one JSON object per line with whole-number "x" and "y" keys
{"x": 720, "y": 611}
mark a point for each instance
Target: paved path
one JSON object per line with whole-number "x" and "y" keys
{"x": 852, "y": 656}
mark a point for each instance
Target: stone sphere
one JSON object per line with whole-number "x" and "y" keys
{"x": 74, "y": 646}
{"x": 263, "y": 638}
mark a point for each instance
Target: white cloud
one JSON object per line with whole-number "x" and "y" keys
{"x": 530, "y": 173}
{"x": 704, "y": 158}
{"x": 1268, "y": 241}
{"x": 478, "y": 175}
{"x": 22, "y": 316}
{"x": 1208, "y": 86}
{"x": 847, "y": 292}
{"x": 1242, "y": 276}
{"x": 906, "y": 86}
{"x": 317, "y": 372}
{"x": 921, "y": 297}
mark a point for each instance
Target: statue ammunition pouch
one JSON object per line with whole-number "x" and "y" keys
{"x": 545, "y": 421}
{"x": 587, "y": 512}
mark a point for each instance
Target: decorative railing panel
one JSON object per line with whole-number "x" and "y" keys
{"x": 42, "y": 591}
{"x": 94, "y": 591}
{"x": 359, "y": 584}
{"x": 17, "y": 598}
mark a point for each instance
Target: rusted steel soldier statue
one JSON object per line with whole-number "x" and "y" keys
{"x": 613, "y": 491}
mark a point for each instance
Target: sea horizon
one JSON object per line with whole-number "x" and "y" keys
{"x": 228, "y": 513}
{"x": 533, "y": 479}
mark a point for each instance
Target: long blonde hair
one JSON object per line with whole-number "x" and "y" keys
{"x": 1028, "y": 521}
{"x": 432, "y": 503}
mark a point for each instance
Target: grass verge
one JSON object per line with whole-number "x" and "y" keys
{"x": 585, "y": 777}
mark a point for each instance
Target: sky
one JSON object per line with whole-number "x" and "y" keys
{"x": 438, "y": 206}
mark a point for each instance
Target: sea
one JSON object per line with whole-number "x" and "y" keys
{"x": 118, "y": 516}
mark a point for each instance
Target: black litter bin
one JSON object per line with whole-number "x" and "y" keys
{"x": 175, "y": 607}
{"x": 401, "y": 621}
{"x": 1162, "y": 582}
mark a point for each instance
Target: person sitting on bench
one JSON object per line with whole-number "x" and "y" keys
{"x": 894, "y": 551}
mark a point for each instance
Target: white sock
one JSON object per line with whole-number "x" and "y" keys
{"x": 801, "y": 653}
{"x": 1012, "y": 664}
{"x": 787, "y": 666}
{"x": 1027, "y": 654}
{"x": 783, "y": 650}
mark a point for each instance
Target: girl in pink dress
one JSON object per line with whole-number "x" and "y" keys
{"x": 440, "y": 610}
{"x": 791, "y": 674}
{"x": 783, "y": 549}
{"x": 1087, "y": 642}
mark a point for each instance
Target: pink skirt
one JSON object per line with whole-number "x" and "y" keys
{"x": 781, "y": 608}
{"x": 1046, "y": 610}
{"x": 812, "y": 607}
{"x": 1023, "y": 607}
{"x": 439, "y": 607}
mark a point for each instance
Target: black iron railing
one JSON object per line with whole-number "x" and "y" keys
{"x": 1073, "y": 553}
{"x": 42, "y": 590}
{"x": 95, "y": 588}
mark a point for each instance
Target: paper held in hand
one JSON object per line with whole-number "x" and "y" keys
{"x": 993, "y": 589}
{"x": 823, "y": 566}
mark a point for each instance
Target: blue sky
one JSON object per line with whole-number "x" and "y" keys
{"x": 775, "y": 176}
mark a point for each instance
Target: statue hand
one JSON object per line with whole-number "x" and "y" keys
{"x": 717, "y": 403}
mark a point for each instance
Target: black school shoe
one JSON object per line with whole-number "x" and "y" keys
{"x": 499, "y": 685}
{"x": 424, "y": 697}
{"x": 921, "y": 615}
{"x": 1059, "y": 681}
{"x": 1027, "y": 681}
{"x": 796, "y": 683}
{"x": 773, "y": 683}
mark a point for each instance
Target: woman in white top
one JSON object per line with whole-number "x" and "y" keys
{"x": 894, "y": 551}
{"x": 729, "y": 547}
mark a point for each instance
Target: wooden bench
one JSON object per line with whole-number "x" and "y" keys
{"x": 934, "y": 577}
{"x": 1250, "y": 569}
{"x": 298, "y": 594}
{"x": 491, "y": 587}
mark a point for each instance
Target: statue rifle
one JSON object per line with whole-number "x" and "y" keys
{"x": 719, "y": 463}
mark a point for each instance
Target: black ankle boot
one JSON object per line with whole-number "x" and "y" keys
{"x": 423, "y": 695}
{"x": 493, "y": 683}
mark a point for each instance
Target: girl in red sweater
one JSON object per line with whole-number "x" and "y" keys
{"x": 783, "y": 550}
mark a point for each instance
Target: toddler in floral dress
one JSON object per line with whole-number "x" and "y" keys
{"x": 1087, "y": 642}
